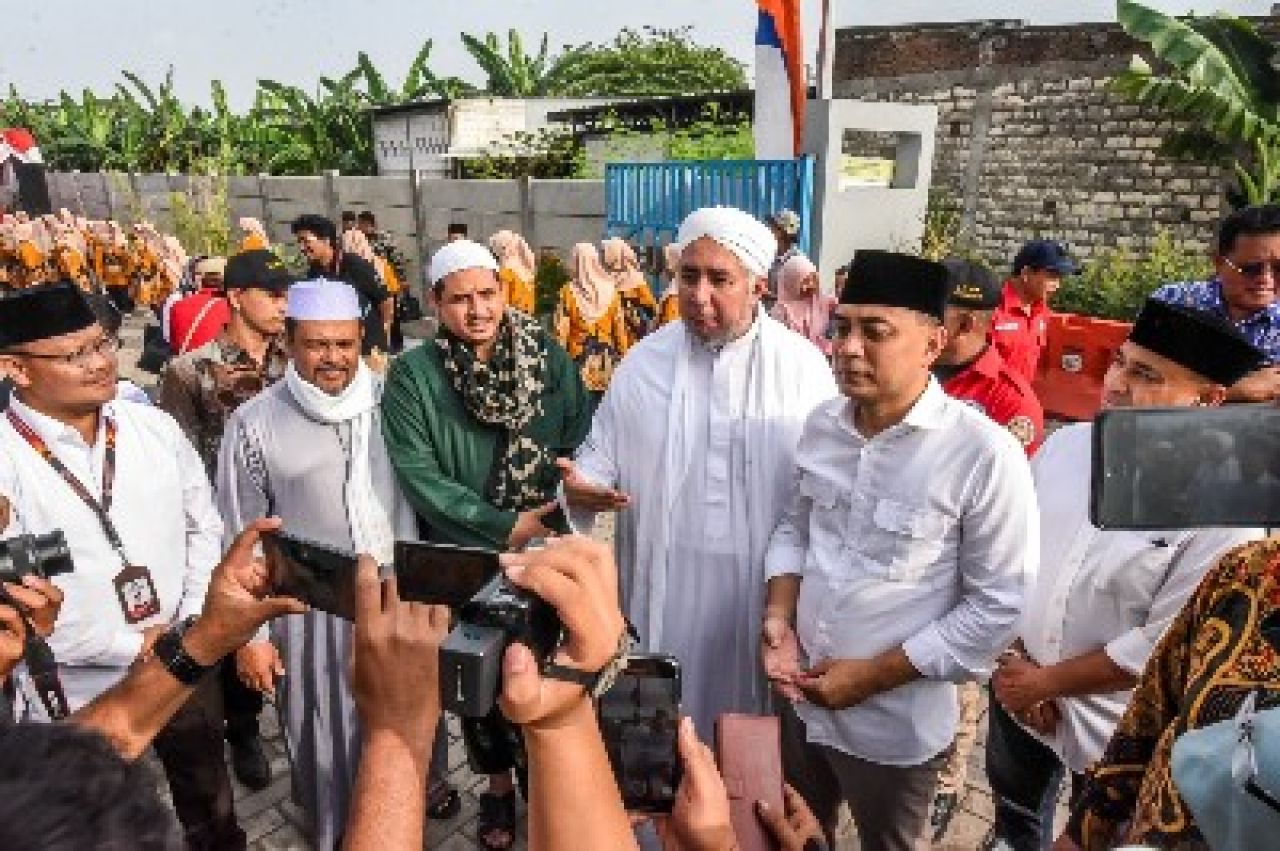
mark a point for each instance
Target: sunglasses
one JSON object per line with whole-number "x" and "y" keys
{"x": 1255, "y": 270}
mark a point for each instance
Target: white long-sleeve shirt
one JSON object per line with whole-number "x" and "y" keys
{"x": 1111, "y": 590}
{"x": 162, "y": 507}
{"x": 924, "y": 537}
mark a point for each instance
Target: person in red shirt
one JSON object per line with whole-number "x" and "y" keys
{"x": 201, "y": 316}
{"x": 972, "y": 369}
{"x": 1021, "y": 319}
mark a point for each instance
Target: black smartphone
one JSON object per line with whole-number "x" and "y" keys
{"x": 639, "y": 719}
{"x": 442, "y": 574}
{"x": 1186, "y": 468}
{"x": 322, "y": 577}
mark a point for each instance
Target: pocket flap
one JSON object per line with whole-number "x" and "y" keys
{"x": 914, "y": 521}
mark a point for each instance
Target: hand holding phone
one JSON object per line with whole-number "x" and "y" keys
{"x": 639, "y": 720}
{"x": 321, "y": 576}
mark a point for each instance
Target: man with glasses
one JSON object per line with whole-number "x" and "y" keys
{"x": 128, "y": 490}
{"x": 1244, "y": 290}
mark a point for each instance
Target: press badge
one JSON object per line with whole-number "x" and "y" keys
{"x": 137, "y": 594}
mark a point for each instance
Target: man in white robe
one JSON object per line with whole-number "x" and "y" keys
{"x": 309, "y": 450}
{"x": 694, "y": 445}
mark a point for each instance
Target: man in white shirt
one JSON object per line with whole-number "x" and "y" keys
{"x": 1103, "y": 598}
{"x": 899, "y": 567}
{"x": 697, "y": 433}
{"x": 129, "y": 492}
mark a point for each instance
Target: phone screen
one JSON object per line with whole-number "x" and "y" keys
{"x": 322, "y": 577}
{"x": 1186, "y": 468}
{"x": 442, "y": 574}
{"x": 639, "y": 718}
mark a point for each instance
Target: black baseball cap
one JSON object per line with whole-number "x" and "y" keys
{"x": 258, "y": 269}
{"x": 971, "y": 285}
{"x": 1045, "y": 254}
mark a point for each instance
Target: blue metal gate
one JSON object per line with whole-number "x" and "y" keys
{"x": 647, "y": 201}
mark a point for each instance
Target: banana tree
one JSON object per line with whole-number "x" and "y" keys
{"x": 513, "y": 72}
{"x": 1222, "y": 80}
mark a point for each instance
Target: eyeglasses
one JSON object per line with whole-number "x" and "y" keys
{"x": 107, "y": 347}
{"x": 1255, "y": 270}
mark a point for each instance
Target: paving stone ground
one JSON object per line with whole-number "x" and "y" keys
{"x": 274, "y": 823}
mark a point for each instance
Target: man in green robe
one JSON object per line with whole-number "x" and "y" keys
{"x": 474, "y": 422}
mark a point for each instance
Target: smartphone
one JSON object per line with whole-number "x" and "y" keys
{"x": 442, "y": 574}
{"x": 322, "y": 577}
{"x": 1186, "y": 468}
{"x": 639, "y": 719}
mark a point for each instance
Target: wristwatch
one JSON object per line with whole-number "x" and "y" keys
{"x": 598, "y": 682}
{"x": 169, "y": 650}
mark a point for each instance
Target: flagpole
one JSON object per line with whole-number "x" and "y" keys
{"x": 826, "y": 52}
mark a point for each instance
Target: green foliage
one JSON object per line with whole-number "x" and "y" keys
{"x": 944, "y": 233}
{"x": 545, "y": 154}
{"x": 548, "y": 281}
{"x": 1115, "y": 283}
{"x": 649, "y": 61}
{"x": 292, "y": 129}
{"x": 202, "y": 218}
{"x": 1223, "y": 81}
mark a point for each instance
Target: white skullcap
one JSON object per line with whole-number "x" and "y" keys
{"x": 323, "y": 299}
{"x": 458, "y": 255}
{"x": 747, "y": 237}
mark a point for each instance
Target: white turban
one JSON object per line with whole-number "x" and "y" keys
{"x": 743, "y": 234}
{"x": 323, "y": 299}
{"x": 458, "y": 255}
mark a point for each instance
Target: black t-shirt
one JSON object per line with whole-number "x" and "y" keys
{"x": 363, "y": 278}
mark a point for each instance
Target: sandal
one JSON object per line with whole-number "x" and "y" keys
{"x": 496, "y": 826}
{"x": 443, "y": 802}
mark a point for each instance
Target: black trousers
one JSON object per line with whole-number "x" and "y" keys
{"x": 1025, "y": 778}
{"x": 191, "y": 749}
{"x": 242, "y": 704}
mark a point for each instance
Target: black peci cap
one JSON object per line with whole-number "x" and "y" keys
{"x": 897, "y": 280}
{"x": 1203, "y": 342}
{"x": 43, "y": 311}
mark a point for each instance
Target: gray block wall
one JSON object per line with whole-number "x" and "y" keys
{"x": 552, "y": 214}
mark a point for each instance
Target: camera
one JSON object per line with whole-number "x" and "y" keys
{"x": 41, "y": 555}
{"x": 471, "y": 657}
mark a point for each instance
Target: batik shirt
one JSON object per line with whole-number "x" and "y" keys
{"x": 201, "y": 388}
{"x": 1262, "y": 328}
{"x": 1212, "y": 657}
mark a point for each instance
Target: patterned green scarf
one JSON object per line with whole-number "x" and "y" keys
{"x": 506, "y": 392}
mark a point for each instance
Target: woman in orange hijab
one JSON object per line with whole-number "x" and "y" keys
{"x": 637, "y": 299}
{"x": 517, "y": 269}
{"x": 590, "y": 321}
{"x": 669, "y": 301}
{"x": 255, "y": 235}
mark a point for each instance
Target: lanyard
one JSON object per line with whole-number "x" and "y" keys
{"x": 100, "y": 509}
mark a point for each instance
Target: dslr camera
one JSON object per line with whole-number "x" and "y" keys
{"x": 471, "y": 656}
{"x": 41, "y": 555}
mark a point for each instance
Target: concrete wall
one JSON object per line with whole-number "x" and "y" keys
{"x": 1030, "y": 141}
{"x": 848, "y": 218}
{"x": 552, "y": 214}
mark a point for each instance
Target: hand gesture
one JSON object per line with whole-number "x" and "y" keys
{"x": 258, "y": 664}
{"x": 529, "y": 526}
{"x": 780, "y": 655}
{"x": 588, "y": 496}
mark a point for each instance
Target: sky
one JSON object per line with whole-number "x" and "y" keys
{"x": 71, "y": 44}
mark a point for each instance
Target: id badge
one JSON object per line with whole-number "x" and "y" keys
{"x": 137, "y": 594}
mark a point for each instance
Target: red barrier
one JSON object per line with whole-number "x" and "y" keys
{"x": 1078, "y": 350}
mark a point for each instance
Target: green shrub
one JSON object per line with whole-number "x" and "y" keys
{"x": 201, "y": 217}
{"x": 1115, "y": 283}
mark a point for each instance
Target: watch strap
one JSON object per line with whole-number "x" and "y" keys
{"x": 175, "y": 658}
{"x": 597, "y": 682}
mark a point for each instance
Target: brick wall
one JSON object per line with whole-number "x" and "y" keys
{"x": 1030, "y": 141}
